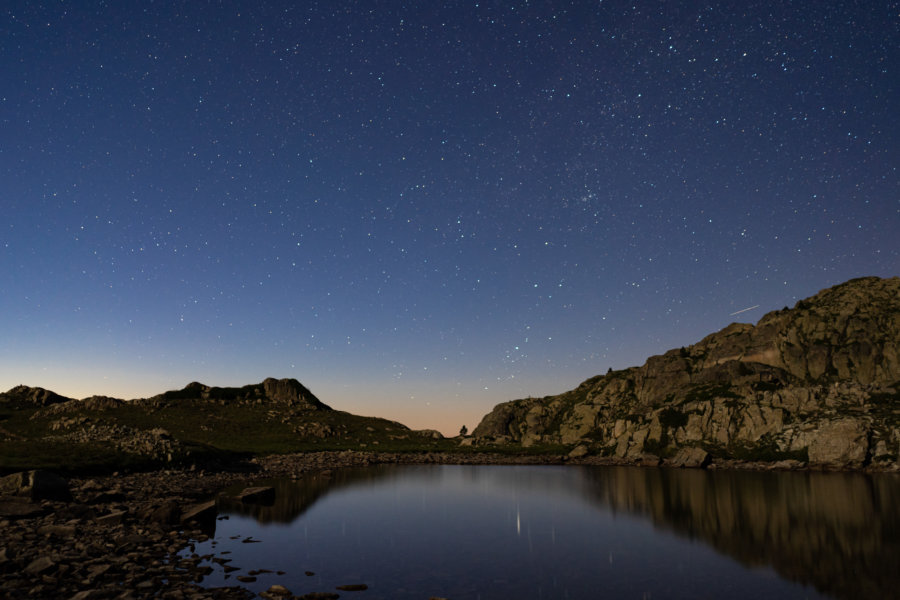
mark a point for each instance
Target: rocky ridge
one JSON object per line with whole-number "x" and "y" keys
{"x": 25, "y": 395}
{"x": 816, "y": 384}
{"x": 285, "y": 392}
{"x": 193, "y": 425}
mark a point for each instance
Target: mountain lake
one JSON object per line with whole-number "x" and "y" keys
{"x": 556, "y": 532}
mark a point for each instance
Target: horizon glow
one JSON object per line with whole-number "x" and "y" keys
{"x": 420, "y": 212}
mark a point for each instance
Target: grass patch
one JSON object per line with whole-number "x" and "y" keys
{"x": 205, "y": 431}
{"x": 515, "y": 449}
{"x": 765, "y": 386}
{"x": 68, "y": 458}
{"x": 660, "y": 447}
{"x": 764, "y": 451}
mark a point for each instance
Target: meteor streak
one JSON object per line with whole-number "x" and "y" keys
{"x": 743, "y": 310}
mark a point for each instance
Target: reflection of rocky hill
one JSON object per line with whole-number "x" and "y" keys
{"x": 293, "y": 498}
{"x": 819, "y": 382}
{"x": 837, "y": 532}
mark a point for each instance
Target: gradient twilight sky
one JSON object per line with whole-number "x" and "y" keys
{"x": 420, "y": 210}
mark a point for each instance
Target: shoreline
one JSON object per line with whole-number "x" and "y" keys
{"x": 124, "y": 536}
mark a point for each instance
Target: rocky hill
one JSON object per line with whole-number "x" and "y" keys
{"x": 818, "y": 383}
{"x": 22, "y": 395}
{"x": 198, "y": 423}
{"x": 284, "y": 392}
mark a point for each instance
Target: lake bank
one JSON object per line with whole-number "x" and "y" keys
{"x": 125, "y": 535}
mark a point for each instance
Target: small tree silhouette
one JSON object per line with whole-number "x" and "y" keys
{"x": 463, "y": 430}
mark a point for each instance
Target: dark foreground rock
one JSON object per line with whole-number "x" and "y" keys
{"x": 126, "y": 545}
{"x": 35, "y": 485}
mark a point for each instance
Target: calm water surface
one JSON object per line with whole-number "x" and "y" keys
{"x": 496, "y": 532}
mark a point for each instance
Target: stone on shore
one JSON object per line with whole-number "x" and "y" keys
{"x": 168, "y": 513}
{"x": 36, "y": 485}
{"x": 690, "y": 457}
{"x": 19, "y": 508}
{"x": 40, "y": 565}
{"x": 201, "y": 513}
{"x": 578, "y": 451}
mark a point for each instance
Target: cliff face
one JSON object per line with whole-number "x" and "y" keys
{"x": 819, "y": 383}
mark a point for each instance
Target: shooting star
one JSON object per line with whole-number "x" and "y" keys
{"x": 743, "y": 310}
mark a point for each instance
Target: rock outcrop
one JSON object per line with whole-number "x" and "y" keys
{"x": 25, "y": 395}
{"x": 286, "y": 392}
{"x": 819, "y": 383}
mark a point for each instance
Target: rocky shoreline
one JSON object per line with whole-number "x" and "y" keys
{"x": 131, "y": 536}
{"x": 125, "y": 536}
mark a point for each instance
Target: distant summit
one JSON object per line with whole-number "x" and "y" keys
{"x": 287, "y": 392}
{"x": 196, "y": 424}
{"x": 818, "y": 383}
{"x": 23, "y": 395}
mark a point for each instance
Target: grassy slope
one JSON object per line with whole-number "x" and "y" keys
{"x": 208, "y": 431}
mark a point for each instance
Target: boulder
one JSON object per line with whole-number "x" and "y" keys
{"x": 649, "y": 460}
{"x": 204, "y": 513}
{"x": 19, "y": 508}
{"x": 168, "y": 513}
{"x": 839, "y": 443}
{"x": 36, "y": 485}
{"x": 578, "y": 451}
{"x": 112, "y": 518}
{"x": 429, "y": 433}
{"x": 44, "y": 564}
{"x": 61, "y": 531}
{"x": 690, "y": 457}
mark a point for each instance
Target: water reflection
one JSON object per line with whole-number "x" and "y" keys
{"x": 294, "y": 497}
{"x": 576, "y": 532}
{"x": 839, "y": 532}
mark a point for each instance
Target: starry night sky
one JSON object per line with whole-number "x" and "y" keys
{"x": 420, "y": 210}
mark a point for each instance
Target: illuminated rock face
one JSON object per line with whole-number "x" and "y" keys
{"x": 817, "y": 383}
